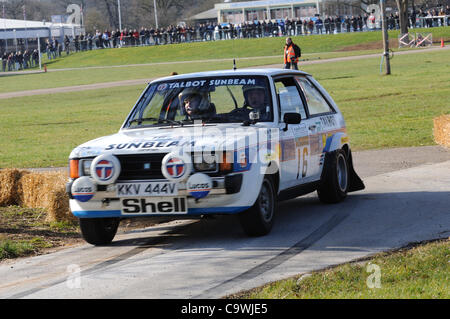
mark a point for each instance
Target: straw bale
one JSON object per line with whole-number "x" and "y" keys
{"x": 36, "y": 190}
{"x": 441, "y": 130}
{"x": 58, "y": 206}
{"x": 46, "y": 190}
{"x": 9, "y": 180}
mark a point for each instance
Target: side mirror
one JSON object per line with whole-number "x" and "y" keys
{"x": 291, "y": 118}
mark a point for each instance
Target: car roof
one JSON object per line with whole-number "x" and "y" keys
{"x": 238, "y": 72}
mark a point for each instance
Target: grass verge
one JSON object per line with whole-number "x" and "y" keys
{"x": 417, "y": 271}
{"x": 25, "y": 232}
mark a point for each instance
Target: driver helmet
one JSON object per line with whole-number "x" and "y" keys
{"x": 246, "y": 89}
{"x": 200, "y": 101}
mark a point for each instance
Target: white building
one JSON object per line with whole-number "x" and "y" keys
{"x": 21, "y": 33}
{"x": 239, "y": 12}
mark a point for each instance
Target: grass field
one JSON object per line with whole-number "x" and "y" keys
{"x": 267, "y": 51}
{"x": 41, "y": 130}
{"x": 90, "y": 76}
{"x": 380, "y": 111}
{"x": 249, "y": 52}
{"x": 417, "y": 272}
{"x": 80, "y": 76}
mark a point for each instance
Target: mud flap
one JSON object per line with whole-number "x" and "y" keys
{"x": 356, "y": 184}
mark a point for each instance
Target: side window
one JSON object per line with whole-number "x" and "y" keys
{"x": 316, "y": 103}
{"x": 289, "y": 97}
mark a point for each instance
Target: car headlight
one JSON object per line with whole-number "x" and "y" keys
{"x": 86, "y": 167}
{"x": 204, "y": 163}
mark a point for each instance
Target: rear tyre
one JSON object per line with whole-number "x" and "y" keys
{"x": 99, "y": 231}
{"x": 335, "y": 178}
{"x": 258, "y": 220}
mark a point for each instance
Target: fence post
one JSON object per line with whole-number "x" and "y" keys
{"x": 39, "y": 52}
{"x": 385, "y": 37}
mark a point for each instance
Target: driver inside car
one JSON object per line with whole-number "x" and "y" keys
{"x": 256, "y": 98}
{"x": 196, "y": 104}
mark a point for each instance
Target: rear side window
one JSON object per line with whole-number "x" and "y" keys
{"x": 314, "y": 99}
{"x": 289, "y": 97}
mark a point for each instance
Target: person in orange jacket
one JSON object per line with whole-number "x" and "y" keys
{"x": 291, "y": 54}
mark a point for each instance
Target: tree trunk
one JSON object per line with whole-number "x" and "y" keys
{"x": 113, "y": 20}
{"x": 403, "y": 15}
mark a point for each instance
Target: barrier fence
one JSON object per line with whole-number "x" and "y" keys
{"x": 433, "y": 21}
{"x": 415, "y": 40}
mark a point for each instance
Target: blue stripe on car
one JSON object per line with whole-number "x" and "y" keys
{"x": 191, "y": 211}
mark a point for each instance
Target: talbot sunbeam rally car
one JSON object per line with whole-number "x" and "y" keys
{"x": 224, "y": 142}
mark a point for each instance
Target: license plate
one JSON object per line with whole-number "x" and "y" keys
{"x": 154, "y": 205}
{"x": 145, "y": 189}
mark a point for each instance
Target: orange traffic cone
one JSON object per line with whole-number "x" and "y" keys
{"x": 442, "y": 43}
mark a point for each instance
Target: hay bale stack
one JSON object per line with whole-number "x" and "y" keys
{"x": 441, "y": 130}
{"x": 9, "y": 186}
{"x": 36, "y": 190}
{"x": 45, "y": 190}
{"x": 58, "y": 206}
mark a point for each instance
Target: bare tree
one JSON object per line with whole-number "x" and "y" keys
{"x": 95, "y": 20}
{"x": 111, "y": 10}
{"x": 170, "y": 10}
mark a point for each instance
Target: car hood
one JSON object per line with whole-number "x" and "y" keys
{"x": 167, "y": 139}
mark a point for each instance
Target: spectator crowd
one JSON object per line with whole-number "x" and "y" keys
{"x": 14, "y": 61}
{"x": 255, "y": 29}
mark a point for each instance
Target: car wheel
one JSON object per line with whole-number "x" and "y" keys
{"x": 335, "y": 178}
{"x": 99, "y": 231}
{"x": 258, "y": 220}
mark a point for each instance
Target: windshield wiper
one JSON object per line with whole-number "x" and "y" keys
{"x": 145, "y": 119}
{"x": 232, "y": 96}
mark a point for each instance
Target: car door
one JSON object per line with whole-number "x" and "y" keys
{"x": 321, "y": 124}
{"x": 294, "y": 142}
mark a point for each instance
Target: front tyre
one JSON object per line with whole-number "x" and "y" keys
{"x": 99, "y": 231}
{"x": 334, "y": 182}
{"x": 258, "y": 220}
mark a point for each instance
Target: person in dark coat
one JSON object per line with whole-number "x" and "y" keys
{"x": 4, "y": 61}
{"x": 26, "y": 59}
{"x": 67, "y": 44}
{"x": 35, "y": 57}
{"x": 327, "y": 23}
{"x": 347, "y": 23}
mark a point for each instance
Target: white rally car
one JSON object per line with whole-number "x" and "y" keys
{"x": 223, "y": 142}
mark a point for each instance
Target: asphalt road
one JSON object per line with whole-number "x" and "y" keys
{"x": 407, "y": 199}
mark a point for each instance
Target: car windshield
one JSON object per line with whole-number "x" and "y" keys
{"x": 230, "y": 99}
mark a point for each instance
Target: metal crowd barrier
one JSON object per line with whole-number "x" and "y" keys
{"x": 210, "y": 35}
{"x": 434, "y": 21}
{"x": 415, "y": 40}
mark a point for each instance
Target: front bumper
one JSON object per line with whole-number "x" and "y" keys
{"x": 224, "y": 198}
